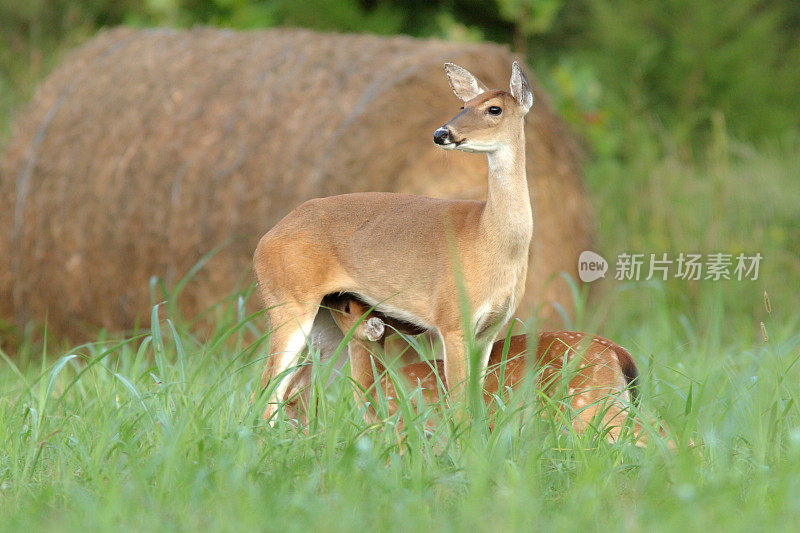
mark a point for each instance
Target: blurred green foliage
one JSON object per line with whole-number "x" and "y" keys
{"x": 684, "y": 61}
{"x": 673, "y": 63}
{"x": 32, "y": 34}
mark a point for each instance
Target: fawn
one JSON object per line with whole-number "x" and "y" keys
{"x": 600, "y": 389}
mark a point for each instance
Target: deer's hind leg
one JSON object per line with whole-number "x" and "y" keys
{"x": 293, "y": 281}
{"x": 291, "y": 324}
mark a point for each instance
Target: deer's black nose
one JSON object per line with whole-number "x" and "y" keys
{"x": 441, "y": 136}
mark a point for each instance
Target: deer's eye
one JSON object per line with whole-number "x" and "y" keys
{"x": 494, "y": 110}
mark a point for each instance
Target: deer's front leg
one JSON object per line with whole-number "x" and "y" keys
{"x": 456, "y": 366}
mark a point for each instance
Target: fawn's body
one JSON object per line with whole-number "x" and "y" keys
{"x": 601, "y": 375}
{"x": 408, "y": 255}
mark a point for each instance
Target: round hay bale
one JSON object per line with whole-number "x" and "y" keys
{"x": 146, "y": 149}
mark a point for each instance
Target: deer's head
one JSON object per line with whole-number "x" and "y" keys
{"x": 489, "y": 118}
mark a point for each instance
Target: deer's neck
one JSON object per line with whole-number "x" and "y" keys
{"x": 507, "y": 217}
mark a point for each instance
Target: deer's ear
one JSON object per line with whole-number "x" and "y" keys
{"x": 521, "y": 88}
{"x": 375, "y": 328}
{"x": 464, "y": 84}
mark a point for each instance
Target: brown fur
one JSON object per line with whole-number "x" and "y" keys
{"x": 412, "y": 255}
{"x": 145, "y": 149}
{"x": 605, "y": 375}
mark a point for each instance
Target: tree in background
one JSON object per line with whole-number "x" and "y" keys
{"x": 685, "y": 62}
{"x": 529, "y": 17}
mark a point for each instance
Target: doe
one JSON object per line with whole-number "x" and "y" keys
{"x": 411, "y": 256}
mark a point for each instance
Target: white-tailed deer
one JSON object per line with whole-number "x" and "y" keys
{"x": 602, "y": 376}
{"x": 410, "y": 255}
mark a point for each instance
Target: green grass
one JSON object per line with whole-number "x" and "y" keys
{"x": 157, "y": 432}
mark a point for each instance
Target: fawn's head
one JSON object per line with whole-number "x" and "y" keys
{"x": 489, "y": 118}
{"x": 349, "y": 314}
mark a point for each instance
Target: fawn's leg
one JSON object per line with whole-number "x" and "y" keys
{"x": 363, "y": 373}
